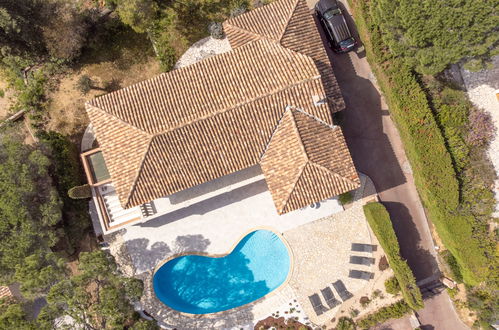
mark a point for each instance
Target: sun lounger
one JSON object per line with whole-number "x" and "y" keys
{"x": 316, "y": 302}
{"x": 358, "y": 247}
{"x": 328, "y": 295}
{"x": 358, "y": 260}
{"x": 342, "y": 290}
{"x": 360, "y": 274}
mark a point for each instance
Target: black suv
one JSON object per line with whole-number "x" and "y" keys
{"x": 334, "y": 24}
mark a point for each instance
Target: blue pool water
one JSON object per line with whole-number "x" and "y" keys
{"x": 200, "y": 285}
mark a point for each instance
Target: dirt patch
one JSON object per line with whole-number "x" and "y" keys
{"x": 66, "y": 110}
{"x": 6, "y": 98}
{"x": 460, "y": 301}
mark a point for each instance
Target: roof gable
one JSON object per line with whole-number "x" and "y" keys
{"x": 302, "y": 162}
{"x": 123, "y": 147}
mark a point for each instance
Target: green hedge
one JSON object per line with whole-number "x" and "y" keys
{"x": 434, "y": 173}
{"x": 394, "y": 311}
{"x": 379, "y": 220}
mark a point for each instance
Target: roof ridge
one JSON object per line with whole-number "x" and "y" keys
{"x": 287, "y": 21}
{"x": 252, "y": 100}
{"x": 316, "y": 118}
{"x": 302, "y": 147}
{"x": 260, "y": 37}
{"x": 333, "y": 173}
{"x": 295, "y": 184}
{"x": 139, "y": 170}
{"x": 297, "y": 131}
{"x": 273, "y": 132}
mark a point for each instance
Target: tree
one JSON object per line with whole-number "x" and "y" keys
{"x": 38, "y": 273}
{"x": 19, "y": 27}
{"x": 430, "y": 34}
{"x": 98, "y": 297}
{"x": 12, "y": 316}
{"x": 139, "y": 14}
{"x": 65, "y": 32}
{"x": 29, "y": 205}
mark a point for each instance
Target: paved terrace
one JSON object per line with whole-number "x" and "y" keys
{"x": 320, "y": 239}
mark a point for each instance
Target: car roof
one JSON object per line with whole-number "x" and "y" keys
{"x": 324, "y": 5}
{"x": 339, "y": 27}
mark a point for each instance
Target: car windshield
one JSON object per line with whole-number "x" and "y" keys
{"x": 347, "y": 42}
{"x": 332, "y": 12}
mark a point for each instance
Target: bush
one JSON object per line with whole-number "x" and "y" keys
{"x": 216, "y": 30}
{"x": 379, "y": 221}
{"x": 80, "y": 192}
{"x": 345, "y": 323}
{"x": 392, "y": 286}
{"x": 434, "y": 174}
{"x": 345, "y": 198}
{"x": 383, "y": 264}
{"x": 394, "y": 311}
{"x": 84, "y": 84}
{"x": 67, "y": 173}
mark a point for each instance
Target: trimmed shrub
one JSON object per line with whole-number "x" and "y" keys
{"x": 345, "y": 198}
{"x": 434, "y": 174}
{"x": 453, "y": 266}
{"x": 392, "y": 286}
{"x": 394, "y": 311}
{"x": 379, "y": 220}
{"x": 345, "y": 323}
{"x": 80, "y": 192}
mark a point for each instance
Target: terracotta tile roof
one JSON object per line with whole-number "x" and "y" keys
{"x": 5, "y": 292}
{"x": 306, "y": 161}
{"x": 216, "y": 117}
{"x": 290, "y": 23}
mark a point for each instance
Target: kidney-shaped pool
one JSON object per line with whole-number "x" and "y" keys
{"x": 199, "y": 285}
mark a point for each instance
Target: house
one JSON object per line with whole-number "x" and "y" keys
{"x": 267, "y": 102}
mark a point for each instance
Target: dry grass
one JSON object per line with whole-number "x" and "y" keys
{"x": 118, "y": 55}
{"x": 6, "y": 100}
{"x": 66, "y": 110}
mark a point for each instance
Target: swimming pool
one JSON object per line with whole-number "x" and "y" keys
{"x": 199, "y": 285}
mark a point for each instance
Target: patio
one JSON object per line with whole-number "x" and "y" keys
{"x": 215, "y": 224}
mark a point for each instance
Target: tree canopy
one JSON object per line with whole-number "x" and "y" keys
{"x": 37, "y": 28}
{"x": 97, "y": 297}
{"x": 29, "y": 206}
{"x": 431, "y": 34}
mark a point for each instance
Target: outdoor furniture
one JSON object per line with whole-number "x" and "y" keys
{"x": 359, "y": 247}
{"x": 328, "y": 295}
{"x": 342, "y": 290}
{"x": 358, "y": 260}
{"x": 360, "y": 274}
{"x": 316, "y": 302}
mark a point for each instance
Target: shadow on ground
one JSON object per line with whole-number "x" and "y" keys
{"x": 145, "y": 257}
{"x": 407, "y": 233}
{"x": 209, "y": 204}
{"x": 362, "y": 122}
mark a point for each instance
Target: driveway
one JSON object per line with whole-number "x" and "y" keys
{"x": 377, "y": 151}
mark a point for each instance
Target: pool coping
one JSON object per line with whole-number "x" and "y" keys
{"x": 220, "y": 255}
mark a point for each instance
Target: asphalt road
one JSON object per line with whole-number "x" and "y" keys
{"x": 377, "y": 151}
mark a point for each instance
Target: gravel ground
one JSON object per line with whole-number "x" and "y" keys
{"x": 482, "y": 87}
{"x": 202, "y": 49}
